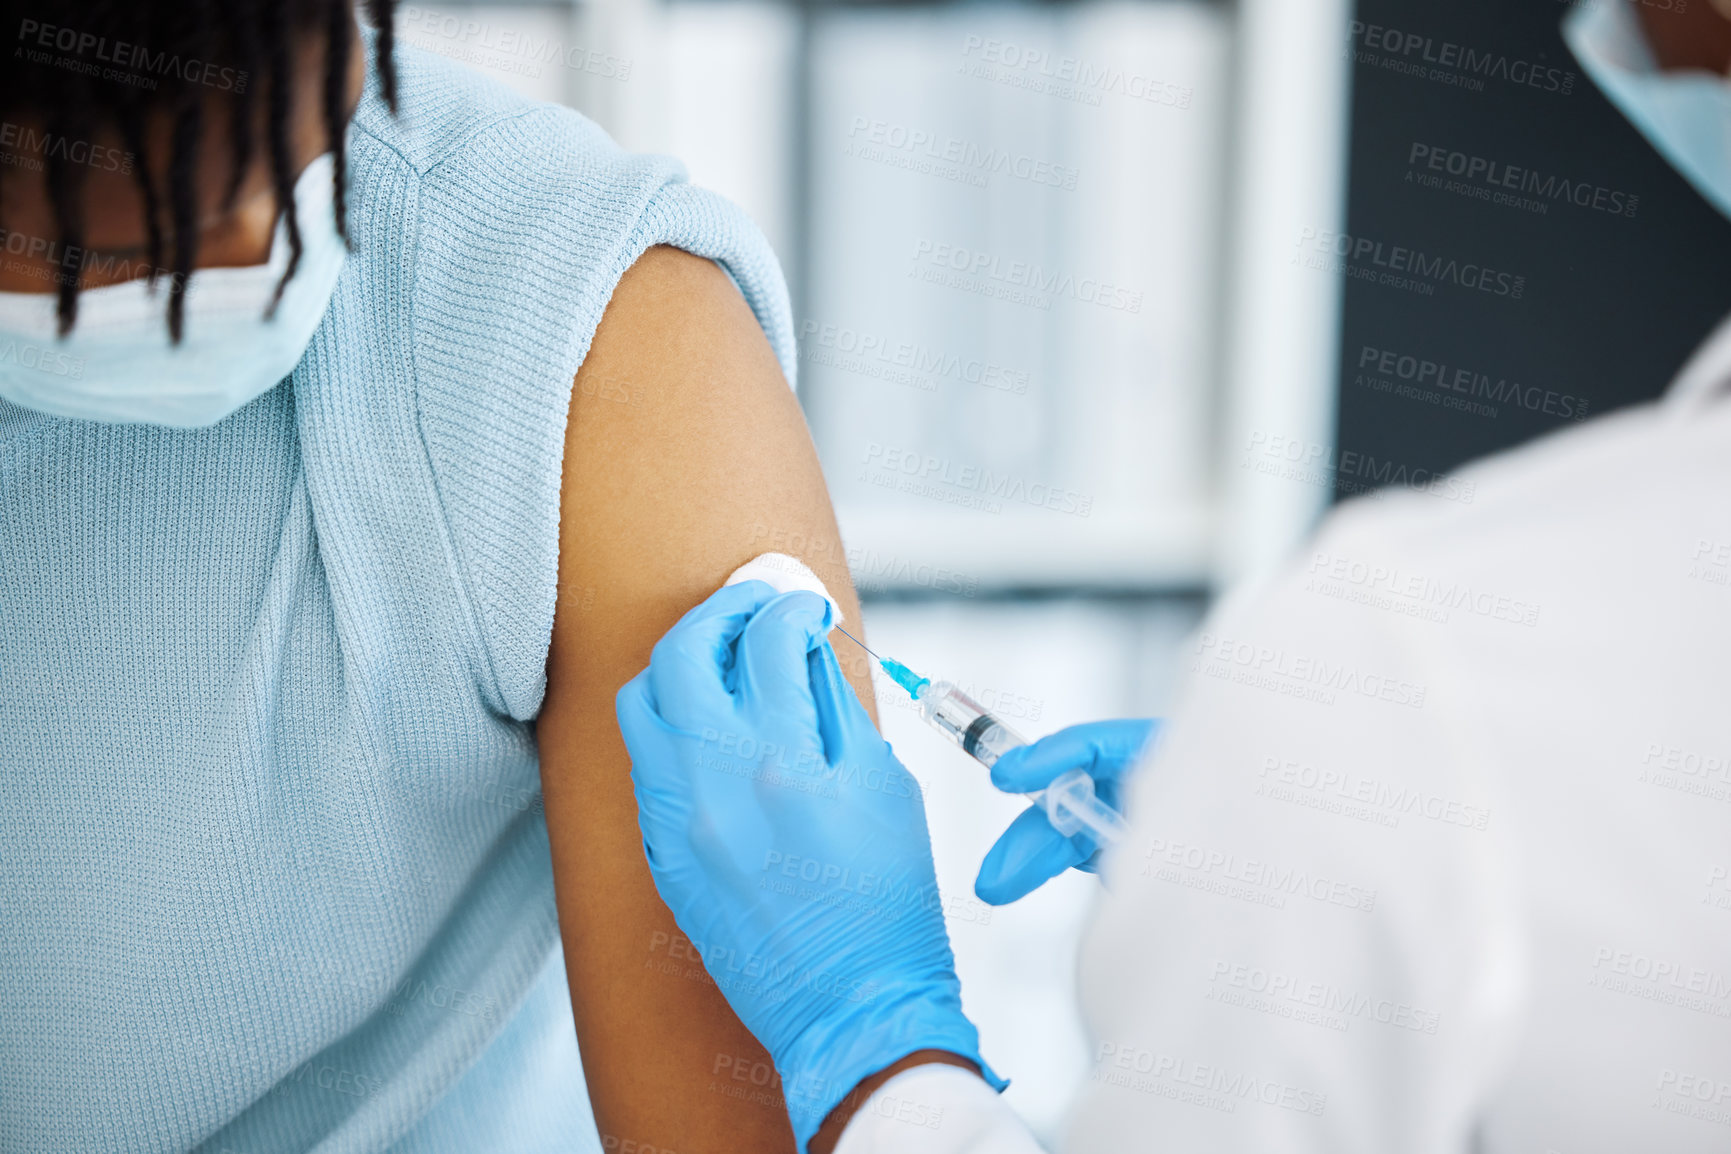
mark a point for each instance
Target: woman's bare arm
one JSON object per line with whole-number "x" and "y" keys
{"x": 685, "y": 457}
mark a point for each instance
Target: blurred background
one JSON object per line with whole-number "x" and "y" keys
{"x": 1093, "y": 319}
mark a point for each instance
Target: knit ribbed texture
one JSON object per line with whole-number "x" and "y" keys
{"x": 273, "y": 868}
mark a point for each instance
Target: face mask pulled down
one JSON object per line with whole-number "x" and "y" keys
{"x": 230, "y": 353}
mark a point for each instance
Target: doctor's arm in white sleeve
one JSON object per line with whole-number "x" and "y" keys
{"x": 1307, "y": 945}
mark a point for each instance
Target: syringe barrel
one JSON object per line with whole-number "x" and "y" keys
{"x": 966, "y": 722}
{"x": 1069, "y": 801}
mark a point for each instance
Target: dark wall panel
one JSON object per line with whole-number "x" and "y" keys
{"x": 1515, "y": 251}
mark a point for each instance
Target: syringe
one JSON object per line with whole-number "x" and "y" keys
{"x": 1069, "y": 801}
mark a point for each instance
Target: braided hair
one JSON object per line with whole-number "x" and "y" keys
{"x": 114, "y": 63}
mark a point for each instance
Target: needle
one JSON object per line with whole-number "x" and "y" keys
{"x": 899, "y": 673}
{"x": 857, "y": 642}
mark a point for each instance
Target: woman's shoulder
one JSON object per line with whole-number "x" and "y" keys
{"x": 453, "y": 123}
{"x": 490, "y": 233}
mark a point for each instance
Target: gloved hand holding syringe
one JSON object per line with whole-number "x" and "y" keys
{"x": 1069, "y": 802}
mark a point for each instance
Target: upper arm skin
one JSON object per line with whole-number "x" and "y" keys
{"x": 686, "y": 455}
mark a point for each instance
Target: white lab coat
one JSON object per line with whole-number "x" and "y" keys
{"x": 1435, "y": 853}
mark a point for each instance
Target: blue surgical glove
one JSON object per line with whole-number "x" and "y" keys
{"x": 1031, "y": 852}
{"x": 791, "y": 846}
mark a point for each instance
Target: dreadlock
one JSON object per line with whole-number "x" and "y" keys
{"x": 115, "y": 63}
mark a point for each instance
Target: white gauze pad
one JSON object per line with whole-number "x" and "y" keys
{"x": 784, "y": 574}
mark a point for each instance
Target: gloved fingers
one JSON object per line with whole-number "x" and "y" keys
{"x": 771, "y": 673}
{"x": 1111, "y": 790}
{"x": 689, "y": 667}
{"x": 841, "y": 720}
{"x": 635, "y": 710}
{"x": 662, "y": 790}
{"x": 1030, "y": 854}
{"x": 649, "y": 741}
{"x": 1105, "y": 749}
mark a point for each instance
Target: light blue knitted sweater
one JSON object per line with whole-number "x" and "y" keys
{"x": 274, "y": 873}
